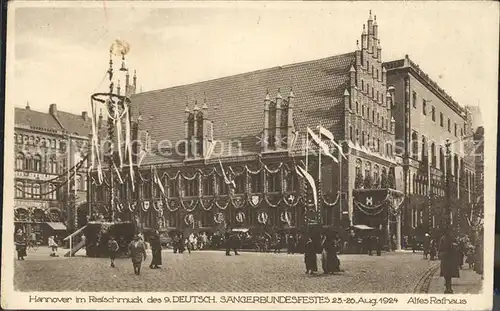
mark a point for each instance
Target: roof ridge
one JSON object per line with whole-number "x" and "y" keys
{"x": 245, "y": 73}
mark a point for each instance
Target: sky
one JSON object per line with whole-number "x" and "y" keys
{"x": 60, "y": 50}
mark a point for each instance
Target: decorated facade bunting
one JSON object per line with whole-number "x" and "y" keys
{"x": 286, "y": 217}
{"x": 189, "y": 219}
{"x": 145, "y": 205}
{"x": 240, "y": 217}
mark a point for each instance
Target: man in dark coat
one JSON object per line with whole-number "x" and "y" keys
{"x": 291, "y": 244}
{"x": 427, "y": 245}
{"x": 448, "y": 256}
{"x": 310, "y": 257}
{"x": 156, "y": 250}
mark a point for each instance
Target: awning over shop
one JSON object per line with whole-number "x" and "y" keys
{"x": 361, "y": 227}
{"x": 57, "y": 226}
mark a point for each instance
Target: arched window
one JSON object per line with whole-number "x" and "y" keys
{"x": 52, "y": 193}
{"x": 36, "y": 191}
{"x": 53, "y": 166}
{"x": 37, "y": 163}
{"x": 414, "y": 140}
{"x": 28, "y": 163}
{"x": 19, "y": 189}
{"x": 27, "y": 190}
{"x": 358, "y": 166}
{"x": 368, "y": 169}
{"x": 20, "y": 161}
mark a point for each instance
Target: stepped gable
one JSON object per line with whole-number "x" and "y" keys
{"x": 236, "y": 103}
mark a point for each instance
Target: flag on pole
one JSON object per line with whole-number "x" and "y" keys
{"x": 324, "y": 132}
{"x": 226, "y": 179}
{"x": 118, "y": 173}
{"x": 302, "y": 172}
{"x": 158, "y": 182}
{"x": 321, "y": 144}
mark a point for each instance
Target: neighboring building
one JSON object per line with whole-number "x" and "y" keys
{"x": 426, "y": 117}
{"x": 255, "y": 125}
{"x": 476, "y": 117}
{"x": 46, "y": 145}
{"x": 479, "y": 181}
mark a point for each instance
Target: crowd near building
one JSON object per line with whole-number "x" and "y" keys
{"x": 225, "y": 152}
{"x": 50, "y": 171}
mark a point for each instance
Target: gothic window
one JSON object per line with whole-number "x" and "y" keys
{"x": 368, "y": 113}
{"x": 20, "y": 164}
{"x": 274, "y": 182}
{"x": 449, "y": 125}
{"x": 240, "y": 183}
{"x": 433, "y": 113}
{"x": 173, "y": 188}
{"x": 363, "y": 138}
{"x": 373, "y": 116}
{"x": 358, "y": 166}
{"x": 424, "y": 149}
{"x": 256, "y": 183}
{"x": 414, "y": 99}
{"x": 19, "y": 190}
{"x": 36, "y": 191}
{"x": 456, "y": 132}
{"x": 350, "y": 134}
{"x": 357, "y": 107}
{"x": 190, "y": 187}
{"x": 362, "y": 85}
{"x": 292, "y": 182}
{"x": 441, "y": 119}
{"x": 222, "y": 187}
{"x": 424, "y": 107}
{"x": 208, "y": 185}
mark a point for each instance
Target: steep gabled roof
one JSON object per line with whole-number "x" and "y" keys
{"x": 65, "y": 122}
{"x": 36, "y": 119}
{"x": 236, "y": 103}
{"x": 75, "y": 124}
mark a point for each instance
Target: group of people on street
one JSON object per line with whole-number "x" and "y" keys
{"x": 452, "y": 252}
{"x": 330, "y": 262}
{"x": 22, "y": 241}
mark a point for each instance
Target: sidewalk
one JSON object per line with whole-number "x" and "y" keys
{"x": 469, "y": 283}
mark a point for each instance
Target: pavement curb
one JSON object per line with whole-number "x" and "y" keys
{"x": 424, "y": 283}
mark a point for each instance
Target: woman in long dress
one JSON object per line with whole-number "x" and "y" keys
{"x": 156, "y": 250}
{"x": 310, "y": 257}
{"x": 449, "y": 260}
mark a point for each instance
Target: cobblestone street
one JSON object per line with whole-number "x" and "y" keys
{"x": 215, "y": 272}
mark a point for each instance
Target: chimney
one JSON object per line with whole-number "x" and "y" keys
{"x": 53, "y": 110}
{"x": 85, "y": 115}
{"x": 28, "y": 106}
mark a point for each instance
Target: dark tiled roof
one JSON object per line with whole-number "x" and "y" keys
{"x": 72, "y": 123}
{"x": 236, "y": 103}
{"x": 36, "y": 119}
{"x": 75, "y": 124}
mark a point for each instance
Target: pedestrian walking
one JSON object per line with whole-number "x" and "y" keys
{"x": 426, "y": 245}
{"x": 291, "y": 244}
{"x": 53, "y": 247}
{"x": 448, "y": 256}
{"x": 113, "y": 248}
{"x": 433, "y": 250}
{"x": 20, "y": 242}
{"x": 310, "y": 257}
{"x": 137, "y": 251}
{"x": 378, "y": 245}
{"x": 156, "y": 251}
{"x": 414, "y": 244}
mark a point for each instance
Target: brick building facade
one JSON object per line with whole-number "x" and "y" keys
{"x": 252, "y": 127}
{"x": 426, "y": 117}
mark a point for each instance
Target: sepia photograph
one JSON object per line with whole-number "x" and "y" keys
{"x": 325, "y": 155}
